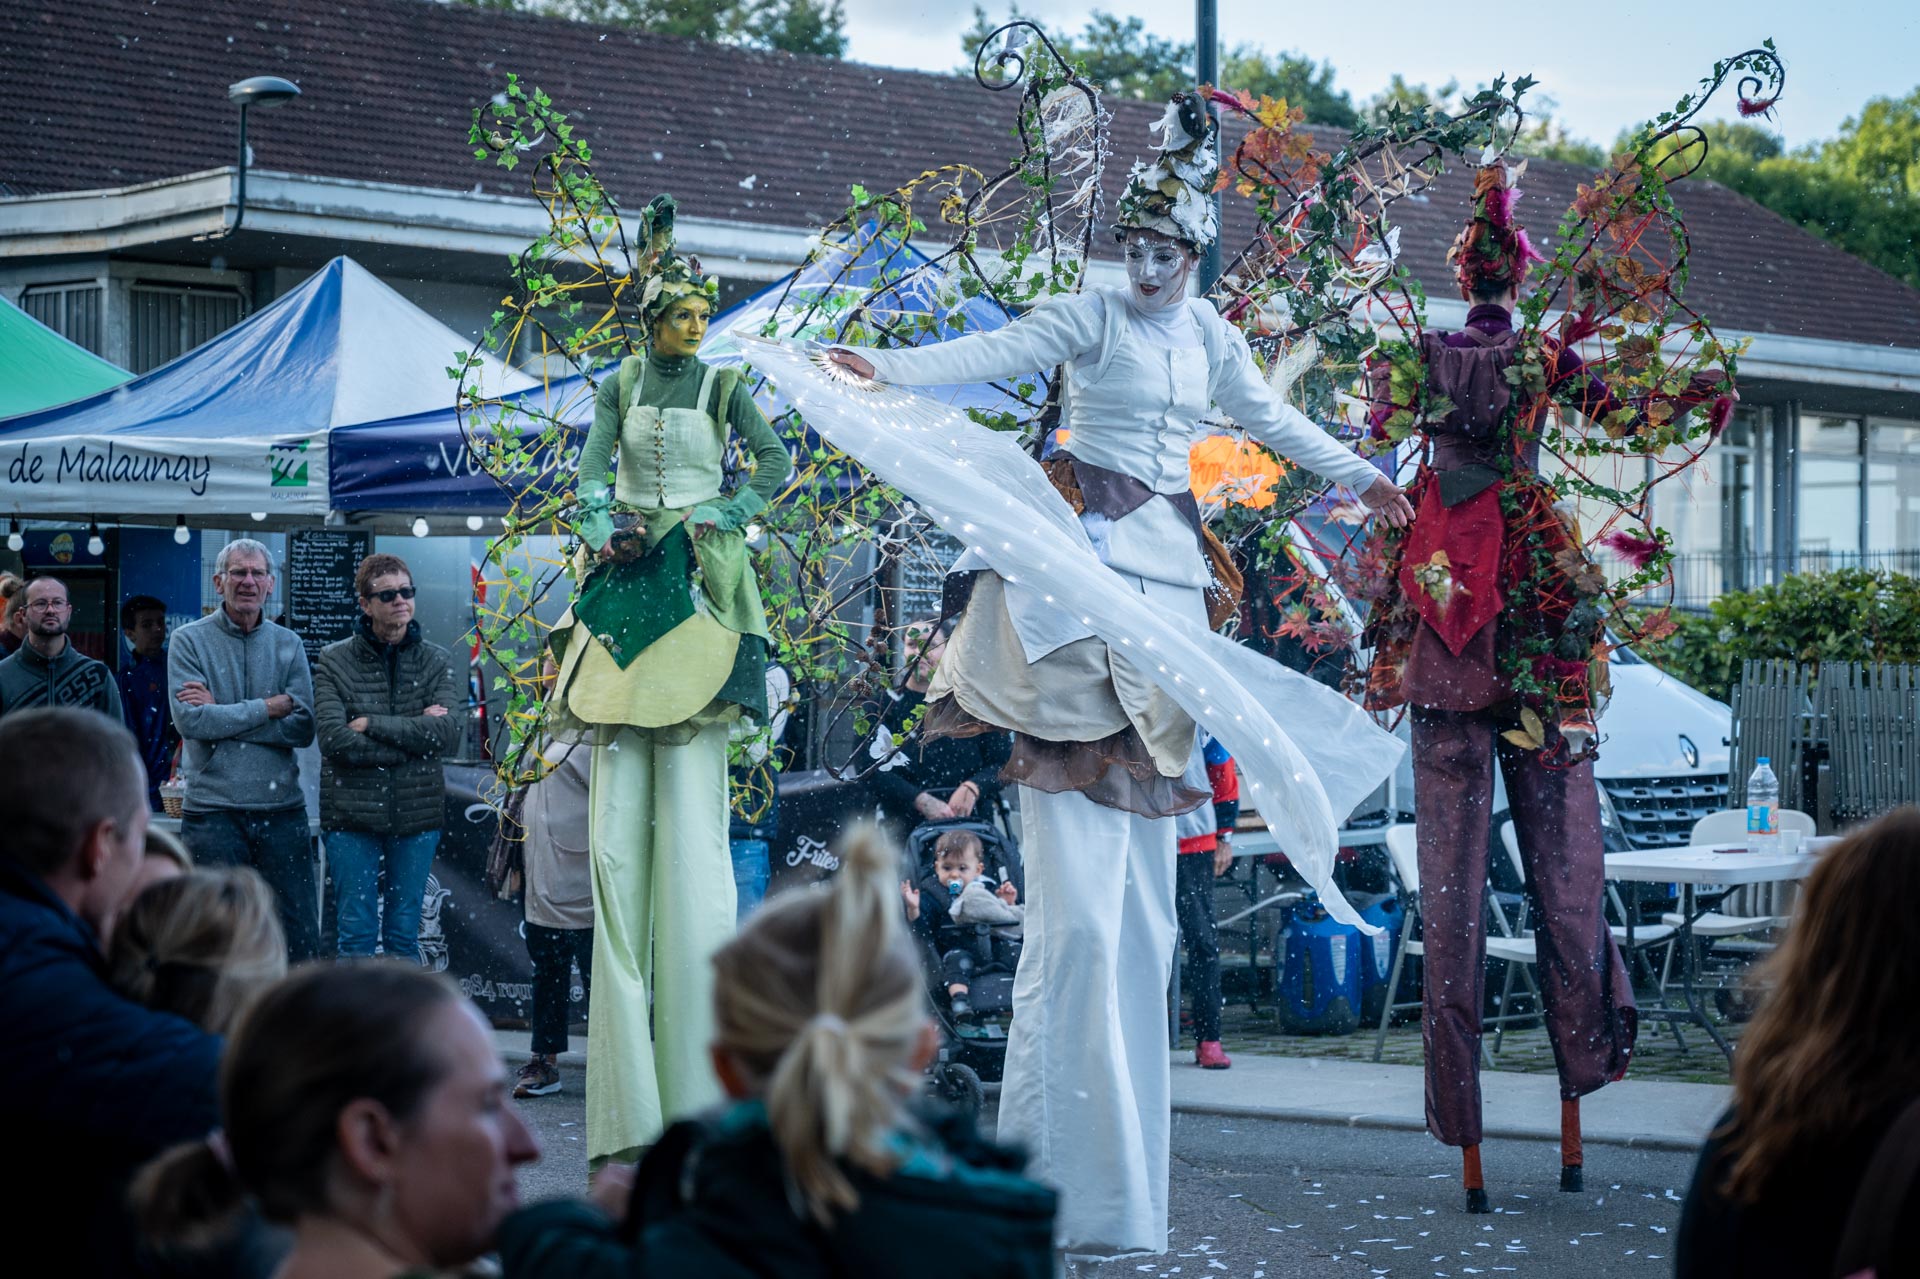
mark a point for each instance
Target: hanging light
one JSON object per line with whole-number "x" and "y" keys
{"x": 419, "y": 526}
{"x": 259, "y": 515}
{"x": 180, "y": 534}
{"x": 474, "y": 522}
{"x": 95, "y": 543}
{"x": 14, "y": 540}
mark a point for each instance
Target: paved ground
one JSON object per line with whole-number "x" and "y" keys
{"x": 1265, "y": 1199}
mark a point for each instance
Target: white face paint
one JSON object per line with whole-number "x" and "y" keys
{"x": 1157, "y": 270}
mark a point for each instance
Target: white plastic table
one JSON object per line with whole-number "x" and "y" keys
{"x": 1691, "y": 867}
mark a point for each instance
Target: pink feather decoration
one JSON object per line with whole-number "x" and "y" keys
{"x": 1636, "y": 549}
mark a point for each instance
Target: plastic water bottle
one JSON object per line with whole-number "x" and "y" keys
{"x": 1763, "y": 809}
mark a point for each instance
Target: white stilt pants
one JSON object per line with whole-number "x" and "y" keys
{"x": 1086, "y": 1089}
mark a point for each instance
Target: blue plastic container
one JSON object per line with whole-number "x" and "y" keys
{"x": 752, "y": 871}
{"x": 1320, "y": 979}
{"x": 1377, "y": 954}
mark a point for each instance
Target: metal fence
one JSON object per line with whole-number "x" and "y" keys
{"x": 1699, "y": 579}
{"x": 1844, "y": 738}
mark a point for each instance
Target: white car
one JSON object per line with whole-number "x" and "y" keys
{"x": 1664, "y": 754}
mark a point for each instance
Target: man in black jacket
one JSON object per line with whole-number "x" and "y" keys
{"x": 382, "y": 710}
{"x": 48, "y": 670}
{"x": 101, "y": 1084}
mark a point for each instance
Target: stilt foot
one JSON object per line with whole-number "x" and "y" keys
{"x": 1572, "y": 1178}
{"x": 1477, "y": 1200}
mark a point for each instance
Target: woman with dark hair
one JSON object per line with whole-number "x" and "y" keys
{"x": 364, "y": 1107}
{"x": 1829, "y": 1065}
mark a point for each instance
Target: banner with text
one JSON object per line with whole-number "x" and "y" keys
{"x": 154, "y": 475}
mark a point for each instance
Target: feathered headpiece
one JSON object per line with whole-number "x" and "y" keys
{"x": 1174, "y": 194}
{"x": 1492, "y": 251}
{"x": 667, "y": 275}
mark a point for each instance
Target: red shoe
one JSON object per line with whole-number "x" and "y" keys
{"x": 1210, "y": 1056}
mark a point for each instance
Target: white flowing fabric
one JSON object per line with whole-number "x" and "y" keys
{"x": 981, "y": 488}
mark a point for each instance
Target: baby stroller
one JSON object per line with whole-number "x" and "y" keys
{"x": 976, "y": 1049}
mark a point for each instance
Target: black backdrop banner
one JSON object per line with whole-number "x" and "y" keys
{"x": 480, "y": 941}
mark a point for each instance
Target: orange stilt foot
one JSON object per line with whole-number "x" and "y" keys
{"x": 1572, "y": 1172}
{"x": 1471, "y": 1178}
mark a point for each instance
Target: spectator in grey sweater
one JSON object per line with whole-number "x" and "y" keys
{"x": 47, "y": 670}
{"x": 243, "y": 701}
{"x": 382, "y": 699}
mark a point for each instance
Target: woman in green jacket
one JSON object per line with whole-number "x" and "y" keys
{"x": 664, "y": 648}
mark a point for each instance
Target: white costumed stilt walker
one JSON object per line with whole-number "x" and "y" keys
{"x": 1087, "y": 636}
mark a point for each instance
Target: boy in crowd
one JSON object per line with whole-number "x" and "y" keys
{"x": 143, "y": 690}
{"x": 971, "y": 923}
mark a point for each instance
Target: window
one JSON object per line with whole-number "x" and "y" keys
{"x": 1893, "y": 485}
{"x": 167, "y": 321}
{"x": 1830, "y": 509}
{"x": 71, "y": 310}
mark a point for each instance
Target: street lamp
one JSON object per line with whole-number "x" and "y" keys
{"x": 1206, "y": 46}
{"x": 254, "y": 91}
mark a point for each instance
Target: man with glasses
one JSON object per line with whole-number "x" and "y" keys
{"x": 383, "y": 700}
{"x": 47, "y": 670}
{"x": 243, "y": 702}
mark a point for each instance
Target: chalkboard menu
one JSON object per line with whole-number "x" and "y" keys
{"x": 321, "y": 604}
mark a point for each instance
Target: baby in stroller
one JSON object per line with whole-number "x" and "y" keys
{"x": 967, "y": 921}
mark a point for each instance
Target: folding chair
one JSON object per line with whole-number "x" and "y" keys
{"x": 1750, "y": 909}
{"x": 1644, "y": 937}
{"x": 1402, "y": 849}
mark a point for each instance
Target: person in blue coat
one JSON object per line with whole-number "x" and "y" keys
{"x": 99, "y": 1084}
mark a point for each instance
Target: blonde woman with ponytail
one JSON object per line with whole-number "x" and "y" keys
{"x": 817, "y": 1164}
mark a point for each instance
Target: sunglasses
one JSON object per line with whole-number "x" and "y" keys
{"x": 394, "y": 593}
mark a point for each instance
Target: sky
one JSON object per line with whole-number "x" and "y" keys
{"x": 1632, "y": 64}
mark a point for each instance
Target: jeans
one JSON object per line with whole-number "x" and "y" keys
{"x": 554, "y": 952}
{"x": 1193, "y": 896}
{"x": 752, "y": 869}
{"x": 280, "y": 848}
{"x": 353, "y": 862}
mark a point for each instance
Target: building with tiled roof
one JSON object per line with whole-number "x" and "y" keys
{"x": 120, "y": 155}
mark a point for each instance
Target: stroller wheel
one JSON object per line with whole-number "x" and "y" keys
{"x": 958, "y": 1086}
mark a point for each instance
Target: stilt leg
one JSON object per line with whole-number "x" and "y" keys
{"x": 1470, "y": 1177}
{"x": 1572, "y": 1175}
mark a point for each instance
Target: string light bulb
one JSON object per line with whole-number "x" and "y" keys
{"x": 475, "y": 522}
{"x": 419, "y": 526}
{"x": 95, "y": 543}
{"x": 14, "y": 540}
{"x": 180, "y": 534}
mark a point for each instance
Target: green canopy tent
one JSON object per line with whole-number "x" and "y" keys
{"x": 39, "y": 368}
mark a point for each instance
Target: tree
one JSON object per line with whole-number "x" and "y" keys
{"x": 1409, "y": 97}
{"x": 1880, "y": 148}
{"x": 1294, "y": 77}
{"x": 795, "y": 26}
{"x": 1853, "y": 191}
{"x": 1125, "y": 59}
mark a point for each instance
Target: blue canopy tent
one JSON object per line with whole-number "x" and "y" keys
{"x": 419, "y": 463}
{"x": 243, "y": 424}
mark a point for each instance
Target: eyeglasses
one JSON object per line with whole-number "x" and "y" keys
{"x": 391, "y": 594}
{"x": 47, "y": 606}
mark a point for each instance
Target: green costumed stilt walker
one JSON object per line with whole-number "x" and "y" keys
{"x": 664, "y": 648}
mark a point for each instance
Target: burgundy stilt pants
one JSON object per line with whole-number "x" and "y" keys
{"x": 1584, "y": 990}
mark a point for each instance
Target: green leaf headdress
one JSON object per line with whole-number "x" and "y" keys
{"x": 666, "y": 274}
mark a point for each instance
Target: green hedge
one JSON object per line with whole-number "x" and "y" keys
{"x": 1850, "y": 615}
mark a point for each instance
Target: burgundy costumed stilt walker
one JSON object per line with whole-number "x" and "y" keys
{"x": 1491, "y": 582}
